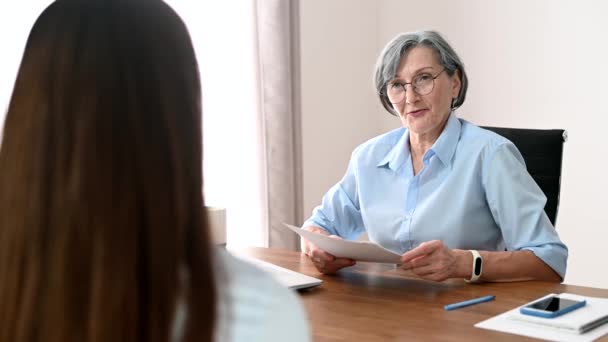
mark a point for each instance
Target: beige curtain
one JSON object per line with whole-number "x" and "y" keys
{"x": 275, "y": 37}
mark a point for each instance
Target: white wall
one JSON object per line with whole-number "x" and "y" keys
{"x": 531, "y": 63}
{"x": 16, "y": 21}
{"x": 338, "y": 49}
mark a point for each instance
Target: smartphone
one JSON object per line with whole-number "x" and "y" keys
{"x": 552, "y": 307}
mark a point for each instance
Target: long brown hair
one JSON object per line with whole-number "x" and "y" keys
{"x": 100, "y": 180}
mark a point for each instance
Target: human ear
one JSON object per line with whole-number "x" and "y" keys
{"x": 456, "y": 84}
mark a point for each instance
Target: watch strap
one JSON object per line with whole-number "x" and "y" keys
{"x": 476, "y": 267}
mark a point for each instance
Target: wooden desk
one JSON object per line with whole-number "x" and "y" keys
{"x": 376, "y": 302}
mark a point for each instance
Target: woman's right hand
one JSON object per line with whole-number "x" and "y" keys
{"x": 323, "y": 261}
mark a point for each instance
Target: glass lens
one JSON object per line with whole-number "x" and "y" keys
{"x": 395, "y": 92}
{"x": 423, "y": 84}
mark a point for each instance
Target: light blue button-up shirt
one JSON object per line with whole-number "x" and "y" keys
{"x": 474, "y": 192}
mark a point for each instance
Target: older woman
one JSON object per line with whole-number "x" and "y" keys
{"x": 447, "y": 195}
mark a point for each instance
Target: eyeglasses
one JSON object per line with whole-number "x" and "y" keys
{"x": 422, "y": 84}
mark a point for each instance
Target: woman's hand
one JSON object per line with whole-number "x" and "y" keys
{"x": 323, "y": 261}
{"x": 433, "y": 260}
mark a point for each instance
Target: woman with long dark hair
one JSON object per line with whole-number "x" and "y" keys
{"x": 102, "y": 232}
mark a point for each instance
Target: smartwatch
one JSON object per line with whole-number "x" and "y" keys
{"x": 477, "y": 266}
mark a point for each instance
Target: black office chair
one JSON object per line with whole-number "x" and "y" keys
{"x": 542, "y": 151}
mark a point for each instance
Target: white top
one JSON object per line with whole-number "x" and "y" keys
{"x": 252, "y": 306}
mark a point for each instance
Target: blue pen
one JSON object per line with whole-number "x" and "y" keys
{"x": 468, "y": 303}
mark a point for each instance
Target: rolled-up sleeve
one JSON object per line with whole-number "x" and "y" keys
{"x": 517, "y": 205}
{"x": 339, "y": 213}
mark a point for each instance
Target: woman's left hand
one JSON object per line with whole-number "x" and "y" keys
{"x": 432, "y": 260}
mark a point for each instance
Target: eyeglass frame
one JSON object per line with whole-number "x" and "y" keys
{"x": 404, "y": 84}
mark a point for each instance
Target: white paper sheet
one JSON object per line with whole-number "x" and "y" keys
{"x": 513, "y": 322}
{"x": 356, "y": 250}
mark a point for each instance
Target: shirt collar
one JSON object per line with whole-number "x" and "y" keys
{"x": 398, "y": 154}
{"x": 444, "y": 147}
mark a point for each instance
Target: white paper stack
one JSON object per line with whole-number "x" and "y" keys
{"x": 356, "y": 250}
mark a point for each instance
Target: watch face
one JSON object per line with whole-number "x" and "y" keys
{"x": 477, "y": 266}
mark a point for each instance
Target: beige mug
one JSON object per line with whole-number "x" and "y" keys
{"x": 216, "y": 217}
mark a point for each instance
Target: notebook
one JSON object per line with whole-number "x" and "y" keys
{"x": 584, "y": 324}
{"x": 286, "y": 277}
{"x": 592, "y": 315}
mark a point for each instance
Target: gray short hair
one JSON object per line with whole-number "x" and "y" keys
{"x": 388, "y": 62}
